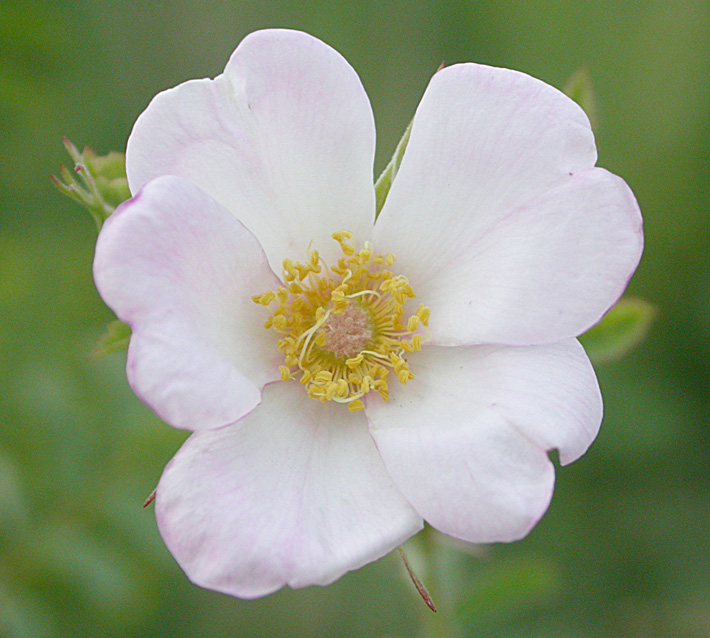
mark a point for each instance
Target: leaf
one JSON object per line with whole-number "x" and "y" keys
{"x": 579, "y": 87}
{"x": 620, "y": 331}
{"x": 116, "y": 338}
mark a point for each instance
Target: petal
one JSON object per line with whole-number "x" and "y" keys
{"x": 181, "y": 271}
{"x": 548, "y": 271}
{"x": 465, "y": 440}
{"x": 284, "y": 139}
{"x": 497, "y": 218}
{"x": 294, "y": 494}
{"x": 485, "y": 140}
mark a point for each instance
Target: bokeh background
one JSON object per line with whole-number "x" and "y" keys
{"x": 623, "y": 550}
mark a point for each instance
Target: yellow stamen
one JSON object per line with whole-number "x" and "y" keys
{"x": 344, "y": 326}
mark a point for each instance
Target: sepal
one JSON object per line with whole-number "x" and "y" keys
{"x": 114, "y": 339}
{"x": 620, "y": 331}
{"x": 98, "y": 182}
{"x": 384, "y": 181}
{"x": 579, "y": 87}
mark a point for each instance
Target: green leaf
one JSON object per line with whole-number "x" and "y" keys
{"x": 579, "y": 88}
{"x": 98, "y": 183}
{"x": 384, "y": 181}
{"x": 621, "y": 330}
{"x": 116, "y": 338}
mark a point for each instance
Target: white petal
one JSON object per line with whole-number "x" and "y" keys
{"x": 284, "y": 139}
{"x": 181, "y": 271}
{"x": 498, "y": 219}
{"x": 465, "y": 440}
{"x": 294, "y": 494}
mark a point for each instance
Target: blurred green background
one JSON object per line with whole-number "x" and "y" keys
{"x": 623, "y": 550}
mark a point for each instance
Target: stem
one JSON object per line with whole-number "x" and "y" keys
{"x": 435, "y": 585}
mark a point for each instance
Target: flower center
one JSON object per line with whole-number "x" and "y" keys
{"x": 343, "y": 326}
{"x": 347, "y": 334}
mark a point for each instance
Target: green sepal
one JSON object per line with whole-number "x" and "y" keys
{"x": 98, "y": 182}
{"x": 384, "y": 181}
{"x": 579, "y": 87}
{"x": 116, "y": 338}
{"x": 620, "y": 331}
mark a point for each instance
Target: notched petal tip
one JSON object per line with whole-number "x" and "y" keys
{"x": 287, "y": 129}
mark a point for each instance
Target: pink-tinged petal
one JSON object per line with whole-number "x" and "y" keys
{"x": 181, "y": 271}
{"x": 485, "y": 140}
{"x": 498, "y": 218}
{"x": 466, "y": 440}
{"x": 294, "y": 494}
{"x": 284, "y": 139}
{"x": 547, "y": 271}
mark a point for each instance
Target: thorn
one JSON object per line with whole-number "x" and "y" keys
{"x": 150, "y": 499}
{"x": 441, "y": 67}
{"x": 415, "y": 580}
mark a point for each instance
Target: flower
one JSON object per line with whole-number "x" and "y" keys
{"x": 417, "y": 366}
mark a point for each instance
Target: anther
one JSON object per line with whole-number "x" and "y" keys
{"x": 344, "y": 327}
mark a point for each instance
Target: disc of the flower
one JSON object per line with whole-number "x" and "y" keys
{"x": 343, "y": 326}
{"x": 361, "y": 394}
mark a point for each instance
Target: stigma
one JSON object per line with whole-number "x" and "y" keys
{"x": 344, "y": 330}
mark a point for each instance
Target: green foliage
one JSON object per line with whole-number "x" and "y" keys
{"x": 114, "y": 339}
{"x": 621, "y": 330}
{"x": 509, "y": 588}
{"x": 101, "y": 185}
{"x": 579, "y": 87}
{"x": 623, "y": 549}
{"x": 384, "y": 181}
